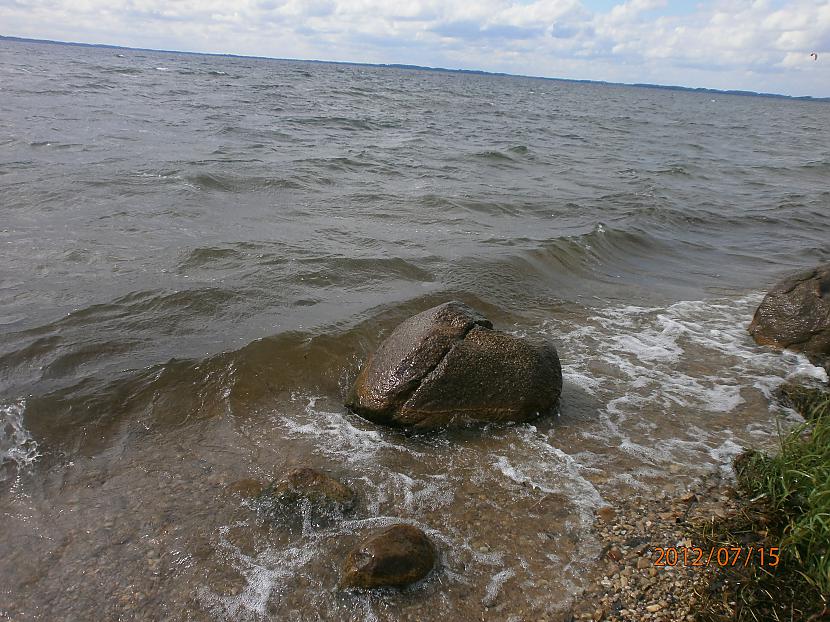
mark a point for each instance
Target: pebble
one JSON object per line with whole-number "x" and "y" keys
{"x": 615, "y": 553}
{"x": 628, "y": 578}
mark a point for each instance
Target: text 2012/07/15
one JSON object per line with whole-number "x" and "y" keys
{"x": 720, "y": 556}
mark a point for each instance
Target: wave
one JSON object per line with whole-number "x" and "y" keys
{"x": 108, "y": 337}
{"x": 17, "y": 447}
{"x": 238, "y": 183}
{"x": 80, "y": 404}
{"x": 348, "y": 124}
{"x": 82, "y": 367}
{"x": 128, "y": 71}
{"x": 604, "y": 260}
{"x": 511, "y": 154}
{"x": 55, "y": 145}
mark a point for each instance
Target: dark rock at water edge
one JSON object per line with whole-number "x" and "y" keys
{"x": 807, "y": 398}
{"x": 447, "y": 365}
{"x": 397, "y": 556}
{"x": 795, "y": 314}
{"x": 323, "y": 494}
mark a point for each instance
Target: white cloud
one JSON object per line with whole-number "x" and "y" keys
{"x": 758, "y": 45}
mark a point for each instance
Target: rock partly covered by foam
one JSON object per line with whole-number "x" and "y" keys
{"x": 245, "y": 488}
{"x": 395, "y": 557}
{"x": 795, "y": 314}
{"x": 447, "y": 365}
{"x": 324, "y": 493}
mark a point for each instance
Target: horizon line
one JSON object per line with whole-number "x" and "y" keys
{"x": 668, "y": 87}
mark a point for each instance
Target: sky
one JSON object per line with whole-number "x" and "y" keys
{"x": 762, "y": 45}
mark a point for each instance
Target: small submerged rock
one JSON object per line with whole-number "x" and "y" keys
{"x": 324, "y": 494}
{"x": 245, "y": 488}
{"x": 395, "y": 557}
{"x": 447, "y": 365}
{"x": 795, "y": 314}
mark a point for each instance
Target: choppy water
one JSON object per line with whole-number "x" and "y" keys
{"x": 197, "y": 253}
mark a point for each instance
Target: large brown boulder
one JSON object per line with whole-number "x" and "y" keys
{"x": 795, "y": 314}
{"x": 447, "y": 365}
{"x": 397, "y": 556}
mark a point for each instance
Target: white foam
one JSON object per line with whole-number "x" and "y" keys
{"x": 549, "y": 470}
{"x": 585, "y": 382}
{"x": 494, "y": 586}
{"x": 430, "y": 492}
{"x": 674, "y": 364}
{"x": 631, "y": 480}
{"x": 645, "y": 344}
{"x": 805, "y": 369}
{"x": 724, "y": 454}
{"x": 339, "y": 434}
{"x": 265, "y": 575}
{"x": 649, "y": 346}
{"x": 16, "y": 443}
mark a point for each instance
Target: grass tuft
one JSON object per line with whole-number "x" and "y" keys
{"x": 786, "y": 505}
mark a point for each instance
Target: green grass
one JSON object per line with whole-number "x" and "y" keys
{"x": 786, "y": 503}
{"x": 795, "y": 484}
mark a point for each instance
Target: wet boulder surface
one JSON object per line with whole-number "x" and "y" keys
{"x": 795, "y": 314}
{"x": 394, "y": 557}
{"x": 448, "y": 366}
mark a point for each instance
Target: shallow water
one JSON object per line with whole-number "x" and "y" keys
{"x": 198, "y": 252}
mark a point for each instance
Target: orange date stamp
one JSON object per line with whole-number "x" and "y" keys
{"x": 717, "y": 556}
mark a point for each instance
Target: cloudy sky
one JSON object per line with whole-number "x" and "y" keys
{"x": 762, "y": 45}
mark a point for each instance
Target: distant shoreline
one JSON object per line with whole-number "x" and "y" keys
{"x": 665, "y": 87}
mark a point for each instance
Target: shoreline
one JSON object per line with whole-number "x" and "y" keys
{"x": 705, "y": 554}
{"x": 636, "y": 581}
